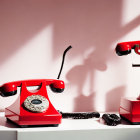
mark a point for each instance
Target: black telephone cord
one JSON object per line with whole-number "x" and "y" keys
{"x": 80, "y": 115}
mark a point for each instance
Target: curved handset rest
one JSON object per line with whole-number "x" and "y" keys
{"x": 124, "y": 48}
{"x": 9, "y": 89}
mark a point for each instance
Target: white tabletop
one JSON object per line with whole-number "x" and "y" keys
{"x": 70, "y": 129}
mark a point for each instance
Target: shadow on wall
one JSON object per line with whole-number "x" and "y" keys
{"x": 84, "y": 24}
{"x": 96, "y": 26}
{"x": 113, "y": 99}
{"x": 77, "y": 76}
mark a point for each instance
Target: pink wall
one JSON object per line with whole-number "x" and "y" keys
{"x": 33, "y": 35}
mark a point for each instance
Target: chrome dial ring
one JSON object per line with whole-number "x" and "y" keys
{"x": 36, "y": 103}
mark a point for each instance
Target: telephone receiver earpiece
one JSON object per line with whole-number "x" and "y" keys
{"x": 8, "y": 90}
{"x": 57, "y": 87}
{"x": 124, "y": 48}
{"x": 6, "y": 94}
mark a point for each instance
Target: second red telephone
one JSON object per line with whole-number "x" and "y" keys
{"x": 129, "y": 107}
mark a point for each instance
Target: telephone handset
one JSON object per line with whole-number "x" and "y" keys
{"x": 10, "y": 88}
{"x": 124, "y": 48}
{"x": 33, "y": 107}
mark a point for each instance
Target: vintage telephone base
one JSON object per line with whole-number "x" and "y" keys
{"x": 27, "y": 126}
{"x": 130, "y": 110}
{"x": 25, "y": 121}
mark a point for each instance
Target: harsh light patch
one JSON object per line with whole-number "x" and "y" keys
{"x": 31, "y": 59}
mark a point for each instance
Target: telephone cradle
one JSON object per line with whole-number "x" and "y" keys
{"x": 130, "y": 110}
{"x": 32, "y": 107}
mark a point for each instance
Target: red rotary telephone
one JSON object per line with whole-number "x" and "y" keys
{"x": 129, "y": 107}
{"x": 33, "y": 107}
